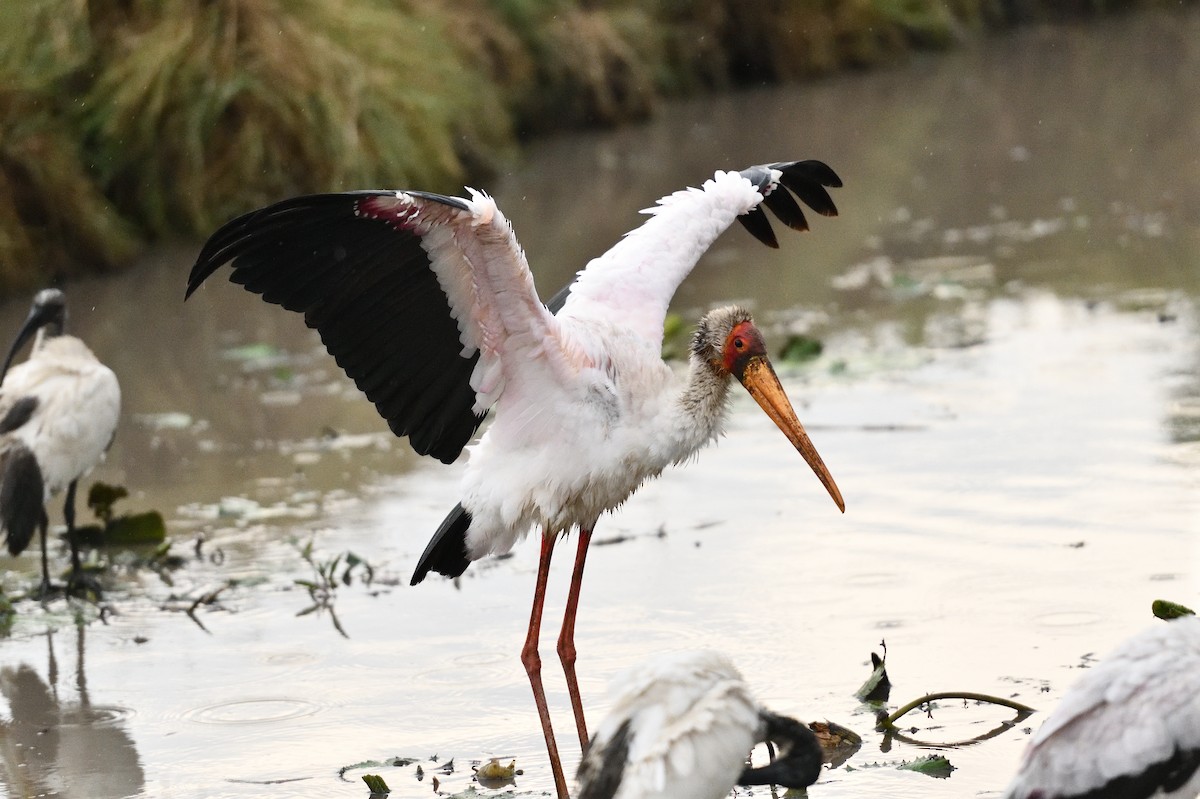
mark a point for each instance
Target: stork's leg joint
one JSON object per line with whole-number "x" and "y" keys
{"x": 567, "y": 653}
{"x": 530, "y": 658}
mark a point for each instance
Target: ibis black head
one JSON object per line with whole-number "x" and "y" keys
{"x": 49, "y": 313}
{"x": 798, "y": 763}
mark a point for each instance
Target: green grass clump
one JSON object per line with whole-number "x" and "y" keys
{"x": 123, "y": 123}
{"x": 53, "y": 215}
{"x": 222, "y": 104}
{"x": 149, "y": 119}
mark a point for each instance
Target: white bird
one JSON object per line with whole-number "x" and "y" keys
{"x": 1130, "y": 729}
{"x": 58, "y": 416}
{"x": 683, "y": 725}
{"x": 427, "y": 302}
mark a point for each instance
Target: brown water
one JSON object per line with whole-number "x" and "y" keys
{"x": 1009, "y": 398}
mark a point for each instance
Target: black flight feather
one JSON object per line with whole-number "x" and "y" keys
{"x": 806, "y": 179}
{"x": 21, "y": 494}
{"x": 18, "y": 414}
{"x": 600, "y": 773}
{"x": 446, "y": 552}
{"x": 316, "y": 256}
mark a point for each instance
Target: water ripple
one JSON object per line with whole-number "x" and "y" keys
{"x": 253, "y": 711}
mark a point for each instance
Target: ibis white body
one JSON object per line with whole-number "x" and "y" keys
{"x": 683, "y": 725}
{"x": 1129, "y": 728}
{"x": 78, "y": 403}
{"x": 691, "y": 725}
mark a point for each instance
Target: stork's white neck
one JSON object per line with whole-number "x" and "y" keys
{"x": 702, "y": 407}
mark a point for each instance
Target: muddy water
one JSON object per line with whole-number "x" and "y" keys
{"x": 1009, "y": 397}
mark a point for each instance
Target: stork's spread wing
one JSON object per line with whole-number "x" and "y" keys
{"x": 636, "y": 279}
{"x": 408, "y": 290}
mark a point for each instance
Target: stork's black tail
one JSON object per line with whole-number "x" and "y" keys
{"x": 447, "y": 550}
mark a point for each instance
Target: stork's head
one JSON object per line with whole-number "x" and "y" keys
{"x": 48, "y": 314}
{"x": 728, "y": 341}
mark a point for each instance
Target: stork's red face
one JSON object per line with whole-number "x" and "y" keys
{"x": 745, "y": 357}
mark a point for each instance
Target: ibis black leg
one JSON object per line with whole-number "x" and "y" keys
{"x": 69, "y": 515}
{"x": 78, "y": 583}
{"x": 47, "y": 587}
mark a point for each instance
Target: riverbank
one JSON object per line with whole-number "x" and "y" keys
{"x": 124, "y": 125}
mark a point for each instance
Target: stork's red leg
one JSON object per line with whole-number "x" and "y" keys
{"x": 533, "y": 665}
{"x": 566, "y": 638}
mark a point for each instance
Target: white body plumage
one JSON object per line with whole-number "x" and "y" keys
{"x": 585, "y": 408}
{"x": 1129, "y": 728}
{"x": 691, "y": 723}
{"x": 78, "y": 403}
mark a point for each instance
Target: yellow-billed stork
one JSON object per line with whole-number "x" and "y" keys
{"x": 683, "y": 725}
{"x": 58, "y": 416}
{"x": 428, "y": 304}
{"x": 1129, "y": 729}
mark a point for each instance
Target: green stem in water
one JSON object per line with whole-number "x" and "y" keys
{"x": 890, "y": 721}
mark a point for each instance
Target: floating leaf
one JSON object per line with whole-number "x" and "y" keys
{"x": 128, "y": 530}
{"x": 1167, "y": 610}
{"x": 136, "y": 528}
{"x": 376, "y": 784}
{"x": 932, "y": 765}
{"x": 878, "y": 686}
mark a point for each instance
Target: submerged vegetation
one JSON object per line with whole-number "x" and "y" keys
{"x": 125, "y": 123}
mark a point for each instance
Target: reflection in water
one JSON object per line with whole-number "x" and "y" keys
{"x": 55, "y": 746}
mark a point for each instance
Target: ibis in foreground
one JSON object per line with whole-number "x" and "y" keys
{"x": 683, "y": 725}
{"x": 427, "y": 302}
{"x": 1130, "y": 729}
{"x": 58, "y": 415}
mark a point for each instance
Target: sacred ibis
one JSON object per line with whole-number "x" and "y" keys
{"x": 58, "y": 415}
{"x": 428, "y": 304}
{"x": 1129, "y": 729}
{"x": 683, "y": 725}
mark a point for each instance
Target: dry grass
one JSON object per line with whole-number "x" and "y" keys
{"x": 238, "y": 102}
{"x": 53, "y": 216}
{"x": 123, "y": 122}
